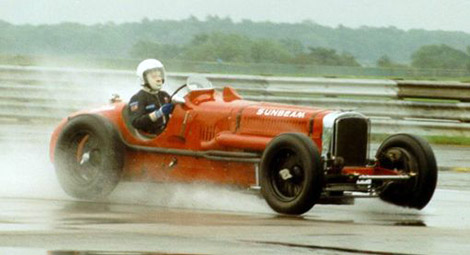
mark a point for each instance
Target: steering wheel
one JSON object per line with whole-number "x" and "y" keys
{"x": 177, "y": 90}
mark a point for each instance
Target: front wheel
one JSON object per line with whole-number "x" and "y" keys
{"x": 414, "y": 156}
{"x": 291, "y": 174}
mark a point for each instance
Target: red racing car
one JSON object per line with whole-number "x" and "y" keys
{"x": 296, "y": 156}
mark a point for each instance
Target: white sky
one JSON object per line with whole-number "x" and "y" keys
{"x": 451, "y": 15}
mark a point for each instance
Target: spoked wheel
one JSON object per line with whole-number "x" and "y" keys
{"x": 287, "y": 175}
{"x": 88, "y": 157}
{"x": 291, "y": 174}
{"x": 413, "y": 156}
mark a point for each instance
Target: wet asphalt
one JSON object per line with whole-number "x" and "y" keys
{"x": 129, "y": 224}
{"x": 36, "y": 217}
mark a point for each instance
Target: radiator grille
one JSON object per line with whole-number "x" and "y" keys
{"x": 351, "y": 140}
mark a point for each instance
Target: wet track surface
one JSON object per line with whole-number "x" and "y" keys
{"x": 36, "y": 217}
{"x": 125, "y": 225}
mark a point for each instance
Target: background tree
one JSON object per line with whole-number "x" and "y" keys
{"x": 294, "y": 47}
{"x": 386, "y": 62}
{"x": 325, "y": 56}
{"x": 440, "y": 56}
{"x": 269, "y": 51}
{"x": 366, "y": 44}
{"x": 219, "y": 47}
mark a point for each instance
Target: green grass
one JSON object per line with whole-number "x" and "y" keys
{"x": 451, "y": 140}
{"x": 448, "y": 140}
{"x": 430, "y": 100}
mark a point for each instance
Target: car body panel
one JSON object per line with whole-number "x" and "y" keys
{"x": 207, "y": 121}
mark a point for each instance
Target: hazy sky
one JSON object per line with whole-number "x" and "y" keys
{"x": 405, "y": 14}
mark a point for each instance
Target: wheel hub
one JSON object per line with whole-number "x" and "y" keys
{"x": 88, "y": 158}
{"x": 285, "y": 174}
{"x": 85, "y": 158}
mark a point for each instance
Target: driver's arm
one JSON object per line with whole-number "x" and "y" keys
{"x": 141, "y": 119}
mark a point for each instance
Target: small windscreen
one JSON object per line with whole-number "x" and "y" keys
{"x": 194, "y": 82}
{"x": 198, "y": 82}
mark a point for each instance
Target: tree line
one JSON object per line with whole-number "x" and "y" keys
{"x": 220, "y": 47}
{"x": 221, "y": 39}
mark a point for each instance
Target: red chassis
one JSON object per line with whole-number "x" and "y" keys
{"x": 294, "y": 154}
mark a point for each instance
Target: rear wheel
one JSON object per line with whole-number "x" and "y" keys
{"x": 88, "y": 157}
{"x": 291, "y": 174}
{"x": 414, "y": 156}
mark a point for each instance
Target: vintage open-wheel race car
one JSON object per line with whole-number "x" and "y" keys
{"x": 296, "y": 156}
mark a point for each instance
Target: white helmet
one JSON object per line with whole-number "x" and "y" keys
{"x": 149, "y": 64}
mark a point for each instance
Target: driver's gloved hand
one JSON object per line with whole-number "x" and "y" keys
{"x": 155, "y": 115}
{"x": 167, "y": 108}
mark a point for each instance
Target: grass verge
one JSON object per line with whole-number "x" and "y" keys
{"x": 447, "y": 140}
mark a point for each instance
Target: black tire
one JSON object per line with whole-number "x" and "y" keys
{"x": 414, "y": 155}
{"x": 89, "y": 157}
{"x": 299, "y": 155}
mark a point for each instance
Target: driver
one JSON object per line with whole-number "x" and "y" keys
{"x": 150, "y": 108}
